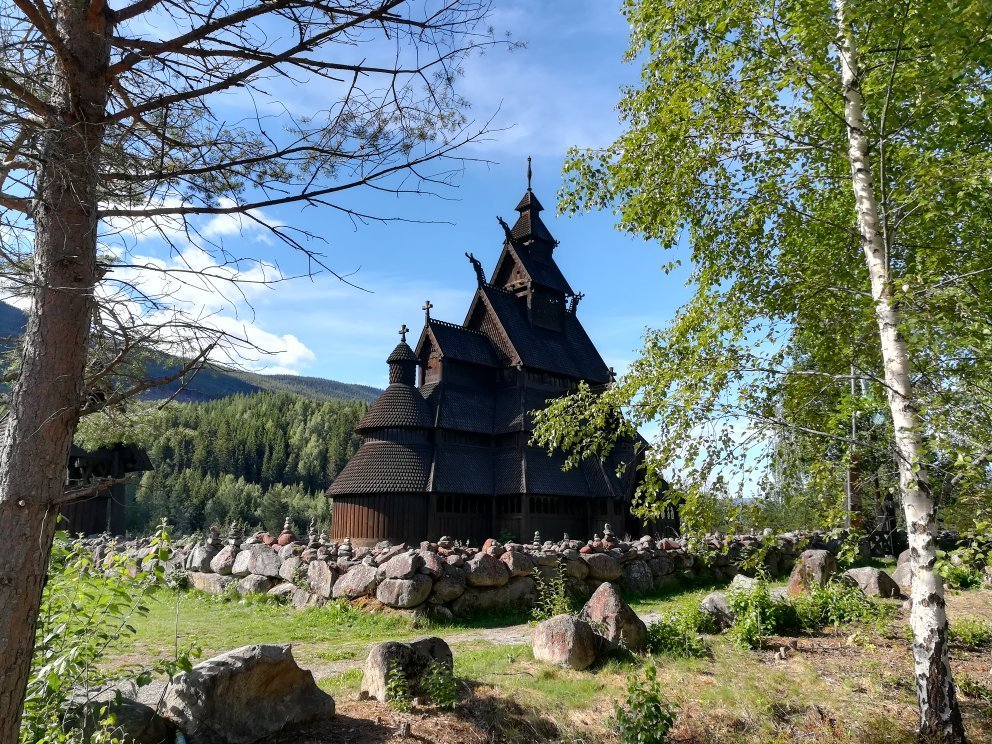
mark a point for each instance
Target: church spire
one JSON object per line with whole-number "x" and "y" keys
{"x": 529, "y": 226}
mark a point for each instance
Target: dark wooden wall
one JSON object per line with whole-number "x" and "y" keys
{"x": 368, "y": 519}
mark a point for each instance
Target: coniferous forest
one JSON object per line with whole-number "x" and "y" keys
{"x": 254, "y": 458}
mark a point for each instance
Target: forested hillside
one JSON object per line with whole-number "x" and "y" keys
{"x": 254, "y": 458}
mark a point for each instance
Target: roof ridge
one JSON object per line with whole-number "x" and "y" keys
{"x": 449, "y": 324}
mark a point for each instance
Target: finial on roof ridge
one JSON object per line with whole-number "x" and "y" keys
{"x": 528, "y": 173}
{"x": 403, "y": 331}
{"x": 427, "y": 309}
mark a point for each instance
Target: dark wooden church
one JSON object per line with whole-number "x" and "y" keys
{"x": 445, "y": 449}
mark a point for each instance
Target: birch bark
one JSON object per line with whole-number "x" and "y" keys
{"x": 46, "y": 397}
{"x": 940, "y": 717}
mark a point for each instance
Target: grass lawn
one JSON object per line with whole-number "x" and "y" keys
{"x": 845, "y": 685}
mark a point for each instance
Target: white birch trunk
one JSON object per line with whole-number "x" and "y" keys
{"x": 940, "y": 717}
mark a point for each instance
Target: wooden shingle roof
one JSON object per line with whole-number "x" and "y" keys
{"x": 385, "y": 467}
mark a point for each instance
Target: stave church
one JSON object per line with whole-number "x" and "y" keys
{"x": 445, "y": 450}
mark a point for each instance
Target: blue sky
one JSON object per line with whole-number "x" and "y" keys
{"x": 559, "y": 91}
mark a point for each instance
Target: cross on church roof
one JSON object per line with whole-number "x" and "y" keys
{"x": 403, "y": 331}
{"x": 427, "y": 309}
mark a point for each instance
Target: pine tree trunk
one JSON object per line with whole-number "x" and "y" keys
{"x": 940, "y": 717}
{"x": 46, "y": 397}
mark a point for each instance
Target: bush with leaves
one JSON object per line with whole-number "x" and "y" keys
{"x": 971, "y": 633}
{"x": 758, "y": 615}
{"x": 86, "y": 608}
{"x": 646, "y": 716}
{"x": 678, "y": 634}
{"x": 440, "y": 686}
{"x": 552, "y": 596}
{"x": 837, "y": 603}
{"x": 398, "y": 695}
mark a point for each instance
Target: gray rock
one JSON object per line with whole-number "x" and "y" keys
{"x": 254, "y": 584}
{"x": 405, "y": 594}
{"x": 903, "y": 577}
{"x": 223, "y": 562}
{"x": 716, "y": 605}
{"x": 637, "y": 577}
{"x": 566, "y": 641}
{"x": 257, "y": 559}
{"x": 284, "y": 590}
{"x": 412, "y": 659}
{"x": 433, "y": 565}
{"x": 135, "y": 721}
{"x": 301, "y": 599}
{"x": 244, "y": 695}
{"x": 873, "y": 582}
{"x": 743, "y": 583}
{"x": 360, "y": 581}
{"x": 576, "y": 569}
{"x": 213, "y": 583}
{"x": 290, "y": 568}
{"x": 661, "y": 565}
{"x": 602, "y": 567}
{"x": 450, "y": 586}
{"x": 485, "y": 570}
{"x": 519, "y": 592}
{"x": 813, "y": 567}
{"x": 200, "y": 557}
{"x": 321, "y": 578}
{"x": 612, "y": 619}
{"x": 401, "y": 566}
{"x": 518, "y": 563}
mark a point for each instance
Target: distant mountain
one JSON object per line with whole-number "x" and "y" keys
{"x": 215, "y": 383}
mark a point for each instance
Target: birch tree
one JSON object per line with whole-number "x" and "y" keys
{"x": 118, "y": 118}
{"x": 826, "y": 164}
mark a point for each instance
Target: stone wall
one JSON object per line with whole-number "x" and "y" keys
{"x": 447, "y": 579}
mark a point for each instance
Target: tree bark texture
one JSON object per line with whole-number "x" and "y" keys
{"x": 48, "y": 393}
{"x": 940, "y": 717}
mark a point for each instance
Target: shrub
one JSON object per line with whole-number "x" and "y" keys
{"x": 645, "y": 717}
{"x": 398, "y": 689}
{"x": 85, "y": 609}
{"x": 759, "y": 615}
{"x": 971, "y": 633}
{"x": 552, "y": 596}
{"x": 959, "y": 575}
{"x": 677, "y": 635}
{"x": 440, "y": 686}
{"x": 837, "y": 603}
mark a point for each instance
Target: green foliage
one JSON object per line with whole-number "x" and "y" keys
{"x": 734, "y": 153}
{"x": 552, "y": 596}
{"x": 252, "y": 458}
{"x": 646, "y": 716}
{"x": 440, "y": 685}
{"x": 678, "y": 634}
{"x": 971, "y": 633}
{"x": 85, "y": 610}
{"x": 398, "y": 689}
{"x": 759, "y": 615}
{"x": 964, "y": 567}
{"x": 837, "y": 603}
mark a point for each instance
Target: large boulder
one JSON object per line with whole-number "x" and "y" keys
{"x": 290, "y": 569}
{"x": 200, "y": 557}
{"x": 321, "y": 577}
{"x": 612, "y": 619}
{"x": 401, "y": 566}
{"x": 520, "y": 592}
{"x": 518, "y": 563}
{"x": 243, "y": 695}
{"x": 873, "y": 582}
{"x": 214, "y": 583}
{"x": 257, "y": 559}
{"x": 450, "y": 586}
{"x": 254, "y": 584}
{"x": 434, "y": 564}
{"x": 603, "y": 567}
{"x": 576, "y": 569}
{"x": 404, "y": 594}
{"x": 411, "y": 659}
{"x": 566, "y": 641}
{"x": 223, "y": 562}
{"x": 715, "y": 605}
{"x": 637, "y": 578}
{"x": 903, "y": 577}
{"x": 360, "y": 581}
{"x": 485, "y": 570}
{"x": 742, "y": 583}
{"x": 814, "y": 567}
{"x": 134, "y": 720}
